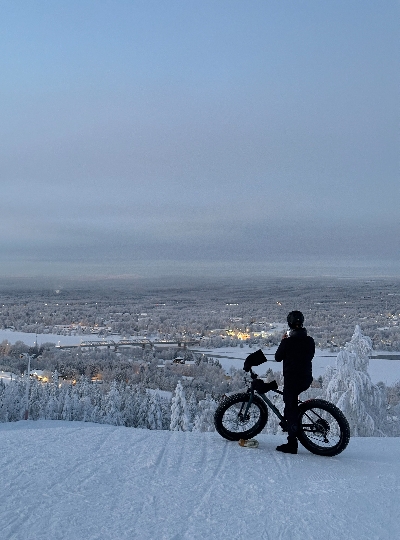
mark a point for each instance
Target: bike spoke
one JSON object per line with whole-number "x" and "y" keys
{"x": 235, "y": 420}
{"x": 324, "y": 430}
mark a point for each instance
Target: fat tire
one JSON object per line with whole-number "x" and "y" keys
{"x": 312, "y": 443}
{"x": 231, "y": 405}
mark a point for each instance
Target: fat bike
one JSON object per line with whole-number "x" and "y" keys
{"x": 322, "y": 427}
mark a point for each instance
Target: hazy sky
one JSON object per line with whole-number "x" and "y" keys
{"x": 194, "y": 136}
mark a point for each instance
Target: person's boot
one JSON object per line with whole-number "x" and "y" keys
{"x": 290, "y": 447}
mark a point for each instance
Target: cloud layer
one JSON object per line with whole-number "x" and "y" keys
{"x": 197, "y": 135}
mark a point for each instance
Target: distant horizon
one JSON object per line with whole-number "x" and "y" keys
{"x": 186, "y": 273}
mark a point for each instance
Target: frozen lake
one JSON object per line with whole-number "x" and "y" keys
{"x": 385, "y": 370}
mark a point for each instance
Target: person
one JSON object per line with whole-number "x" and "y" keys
{"x": 296, "y": 351}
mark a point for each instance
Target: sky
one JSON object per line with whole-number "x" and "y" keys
{"x": 150, "y": 138}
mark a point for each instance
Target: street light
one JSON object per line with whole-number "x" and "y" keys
{"x": 29, "y": 356}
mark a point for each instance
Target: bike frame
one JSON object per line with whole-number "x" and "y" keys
{"x": 271, "y": 405}
{"x": 315, "y": 420}
{"x": 267, "y": 401}
{"x": 264, "y": 398}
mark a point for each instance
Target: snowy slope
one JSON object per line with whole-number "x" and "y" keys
{"x": 81, "y": 481}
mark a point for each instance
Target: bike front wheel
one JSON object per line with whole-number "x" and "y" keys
{"x": 322, "y": 429}
{"x": 233, "y": 422}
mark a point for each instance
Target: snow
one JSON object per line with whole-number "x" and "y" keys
{"x": 74, "y": 481}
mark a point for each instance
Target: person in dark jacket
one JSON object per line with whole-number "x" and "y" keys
{"x": 296, "y": 350}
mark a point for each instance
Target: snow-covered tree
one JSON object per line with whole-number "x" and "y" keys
{"x": 349, "y": 386}
{"x": 3, "y": 403}
{"x": 112, "y": 409}
{"x": 97, "y": 415}
{"x": 204, "y": 420}
{"x": 66, "y": 413}
{"x": 52, "y": 405}
{"x": 154, "y": 413}
{"x": 12, "y": 401}
{"x": 166, "y": 412}
{"x": 192, "y": 409}
{"x": 77, "y": 405}
{"x": 53, "y": 398}
{"x": 142, "y": 406}
{"x": 37, "y": 401}
{"x": 128, "y": 407}
{"x": 84, "y": 390}
{"x": 179, "y": 410}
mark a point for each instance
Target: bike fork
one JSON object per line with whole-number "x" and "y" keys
{"x": 248, "y": 405}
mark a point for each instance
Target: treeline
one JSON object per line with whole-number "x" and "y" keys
{"x": 136, "y": 406}
{"x": 122, "y": 405}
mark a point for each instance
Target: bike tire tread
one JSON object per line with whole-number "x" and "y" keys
{"x": 339, "y": 417}
{"x": 246, "y": 434}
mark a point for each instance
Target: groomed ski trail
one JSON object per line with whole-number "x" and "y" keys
{"x": 82, "y": 481}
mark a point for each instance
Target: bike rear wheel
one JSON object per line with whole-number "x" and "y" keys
{"x": 323, "y": 428}
{"x": 231, "y": 421}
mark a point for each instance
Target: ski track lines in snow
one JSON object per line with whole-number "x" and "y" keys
{"x": 82, "y": 481}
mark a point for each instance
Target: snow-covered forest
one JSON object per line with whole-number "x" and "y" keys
{"x": 183, "y": 397}
{"x": 198, "y": 309}
{"x": 148, "y": 388}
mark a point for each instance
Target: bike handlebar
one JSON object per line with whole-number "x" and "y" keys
{"x": 252, "y": 374}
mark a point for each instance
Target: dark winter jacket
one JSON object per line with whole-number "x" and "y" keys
{"x": 297, "y": 352}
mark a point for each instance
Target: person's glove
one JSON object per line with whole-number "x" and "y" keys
{"x": 254, "y": 359}
{"x": 247, "y": 365}
{"x": 263, "y": 387}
